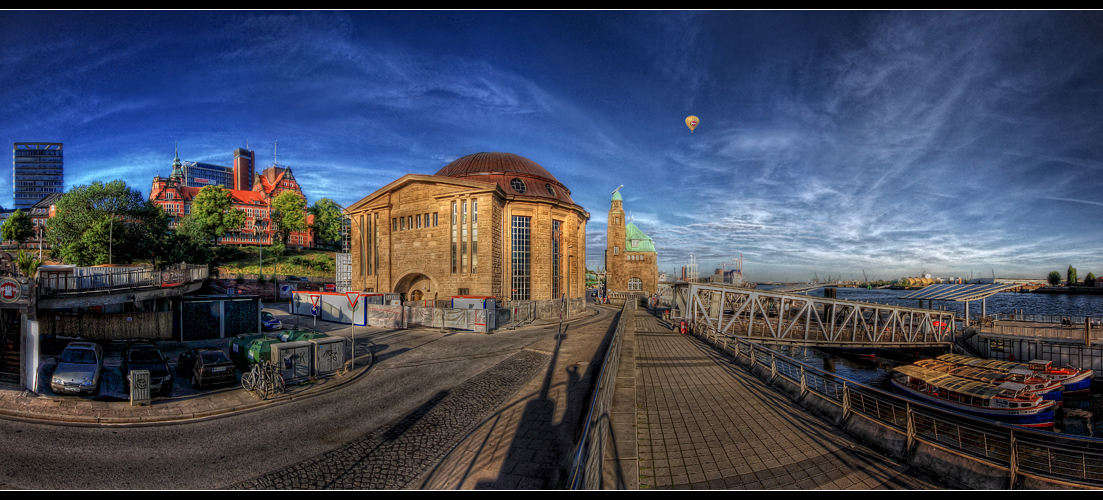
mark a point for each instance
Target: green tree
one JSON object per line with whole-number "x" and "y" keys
{"x": 1089, "y": 280}
{"x": 1071, "y": 279}
{"x": 100, "y": 223}
{"x": 1054, "y": 278}
{"x": 291, "y": 214}
{"x": 328, "y": 219}
{"x": 17, "y": 228}
{"x": 212, "y": 215}
{"x": 27, "y": 263}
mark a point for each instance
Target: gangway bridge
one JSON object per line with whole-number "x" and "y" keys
{"x": 784, "y": 317}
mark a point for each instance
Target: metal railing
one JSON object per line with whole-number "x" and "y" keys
{"x": 114, "y": 280}
{"x": 586, "y": 468}
{"x": 1022, "y": 451}
{"x": 1066, "y": 333}
{"x": 1042, "y": 318}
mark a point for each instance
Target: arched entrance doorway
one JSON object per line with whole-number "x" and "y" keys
{"x": 416, "y": 286}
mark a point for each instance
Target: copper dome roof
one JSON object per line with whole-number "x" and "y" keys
{"x": 505, "y": 169}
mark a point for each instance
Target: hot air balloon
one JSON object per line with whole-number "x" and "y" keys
{"x": 691, "y": 122}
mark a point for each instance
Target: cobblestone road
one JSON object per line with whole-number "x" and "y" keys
{"x": 396, "y": 454}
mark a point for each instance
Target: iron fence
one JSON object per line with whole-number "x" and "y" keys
{"x": 587, "y": 467}
{"x": 107, "y": 279}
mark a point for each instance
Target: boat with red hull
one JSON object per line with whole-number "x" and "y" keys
{"x": 1045, "y": 388}
{"x": 1072, "y": 380}
{"x": 1008, "y": 402}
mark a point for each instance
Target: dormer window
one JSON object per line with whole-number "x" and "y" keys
{"x": 168, "y": 195}
{"x": 635, "y": 243}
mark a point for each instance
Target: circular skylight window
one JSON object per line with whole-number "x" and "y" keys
{"x": 517, "y": 185}
{"x": 551, "y": 190}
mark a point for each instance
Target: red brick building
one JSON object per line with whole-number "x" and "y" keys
{"x": 176, "y": 198}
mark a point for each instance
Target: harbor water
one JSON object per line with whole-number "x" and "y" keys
{"x": 1078, "y": 413}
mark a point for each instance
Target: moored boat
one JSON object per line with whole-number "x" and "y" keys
{"x": 1008, "y": 402}
{"x": 1071, "y": 379}
{"x": 1044, "y": 388}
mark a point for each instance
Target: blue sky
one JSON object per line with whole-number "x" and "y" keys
{"x": 829, "y": 143}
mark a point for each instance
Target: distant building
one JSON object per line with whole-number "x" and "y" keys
{"x": 175, "y": 196}
{"x": 40, "y": 213}
{"x": 38, "y": 170}
{"x": 244, "y": 169}
{"x": 631, "y": 262}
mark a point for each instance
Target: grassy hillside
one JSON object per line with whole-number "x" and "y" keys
{"x": 303, "y": 262}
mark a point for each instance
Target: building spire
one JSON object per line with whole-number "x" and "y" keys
{"x": 177, "y": 167}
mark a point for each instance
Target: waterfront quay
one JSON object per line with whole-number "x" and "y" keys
{"x": 706, "y": 423}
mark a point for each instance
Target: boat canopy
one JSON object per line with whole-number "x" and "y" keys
{"x": 949, "y": 382}
{"x": 1012, "y": 386}
{"x": 994, "y": 364}
{"x": 971, "y": 372}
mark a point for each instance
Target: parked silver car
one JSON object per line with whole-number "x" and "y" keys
{"x": 78, "y": 369}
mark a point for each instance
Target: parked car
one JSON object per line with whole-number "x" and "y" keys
{"x": 206, "y": 366}
{"x": 297, "y": 278}
{"x": 269, "y": 322}
{"x": 143, "y": 354}
{"x": 78, "y": 369}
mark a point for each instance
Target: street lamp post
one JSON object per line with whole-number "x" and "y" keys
{"x": 273, "y": 216}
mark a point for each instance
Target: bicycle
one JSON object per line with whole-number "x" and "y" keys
{"x": 265, "y": 379}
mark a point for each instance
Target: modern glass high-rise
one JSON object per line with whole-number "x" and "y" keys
{"x": 38, "y": 170}
{"x": 199, "y": 175}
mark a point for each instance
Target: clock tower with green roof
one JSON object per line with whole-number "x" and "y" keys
{"x": 631, "y": 262}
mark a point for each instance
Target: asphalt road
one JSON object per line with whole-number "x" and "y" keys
{"x": 424, "y": 392}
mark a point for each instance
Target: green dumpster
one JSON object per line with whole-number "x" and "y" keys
{"x": 301, "y": 335}
{"x": 238, "y": 348}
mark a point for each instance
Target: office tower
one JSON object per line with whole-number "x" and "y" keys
{"x": 38, "y": 170}
{"x": 244, "y": 169}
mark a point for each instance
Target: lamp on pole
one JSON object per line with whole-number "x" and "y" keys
{"x": 273, "y": 216}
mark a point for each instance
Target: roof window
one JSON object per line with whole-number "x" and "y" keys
{"x": 517, "y": 185}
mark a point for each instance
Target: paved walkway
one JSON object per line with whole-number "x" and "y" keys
{"x": 704, "y": 423}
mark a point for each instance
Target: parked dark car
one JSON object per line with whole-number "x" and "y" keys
{"x": 269, "y": 322}
{"x": 206, "y": 366}
{"x": 296, "y": 278}
{"x": 143, "y": 354}
{"x": 78, "y": 369}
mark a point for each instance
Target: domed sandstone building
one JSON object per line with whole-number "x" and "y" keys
{"x": 487, "y": 224}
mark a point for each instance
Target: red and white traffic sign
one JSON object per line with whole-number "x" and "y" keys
{"x": 314, "y": 299}
{"x": 354, "y": 298}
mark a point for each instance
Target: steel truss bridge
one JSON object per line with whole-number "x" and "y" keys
{"x": 779, "y": 317}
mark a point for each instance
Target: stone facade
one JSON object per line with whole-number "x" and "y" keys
{"x": 403, "y": 236}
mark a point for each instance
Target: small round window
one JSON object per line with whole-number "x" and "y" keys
{"x": 517, "y": 185}
{"x": 551, "y": 190}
